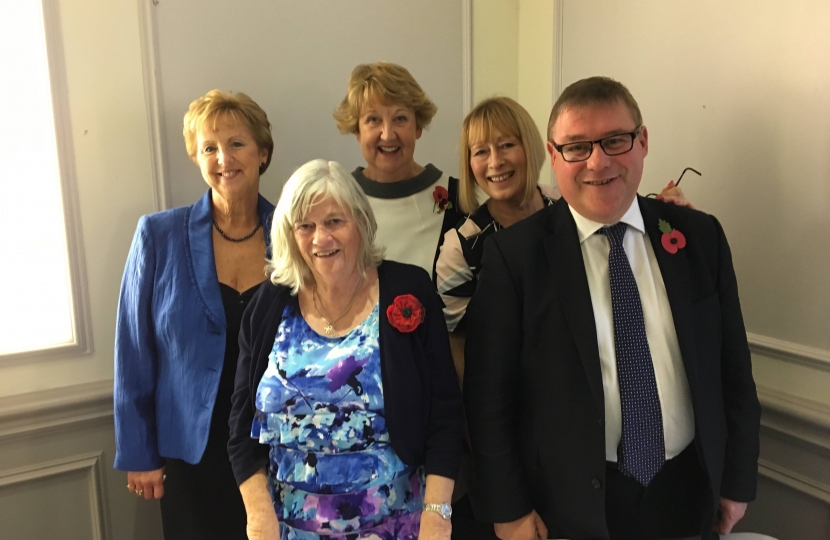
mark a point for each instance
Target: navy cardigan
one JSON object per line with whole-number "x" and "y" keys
{"x": 422, "y": 398}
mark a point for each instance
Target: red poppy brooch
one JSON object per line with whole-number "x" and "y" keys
{"x": 672, "y": 239}
{"x": 406, "y": 313}
{"x": 442, "y": 199}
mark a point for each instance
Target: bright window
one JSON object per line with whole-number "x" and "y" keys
{"x": 36, "y": 294}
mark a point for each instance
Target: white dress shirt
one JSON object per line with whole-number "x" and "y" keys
{"x": 672, "y": 386}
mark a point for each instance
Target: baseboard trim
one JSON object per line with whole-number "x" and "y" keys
{"x": 798, "y": 482}
{"x": 789, "y": 351}
{"x": 805, "y": 410}
{"x": 60, "y": 408}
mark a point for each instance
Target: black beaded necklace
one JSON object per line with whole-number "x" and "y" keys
{"x": 237, "y": 240}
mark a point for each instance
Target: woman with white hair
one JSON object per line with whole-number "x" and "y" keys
{"x": 346, "y": 417}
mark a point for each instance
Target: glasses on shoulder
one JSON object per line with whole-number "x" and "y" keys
{"x": 613, "y": 145}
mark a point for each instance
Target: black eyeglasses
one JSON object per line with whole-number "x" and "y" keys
{"x": 652, "y": 195}
{"x": 613, "y": 145}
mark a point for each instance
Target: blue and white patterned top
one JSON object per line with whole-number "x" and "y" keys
{"x": 320, "y": 408}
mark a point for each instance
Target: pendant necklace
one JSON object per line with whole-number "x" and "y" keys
{"x": 329, "y": 329}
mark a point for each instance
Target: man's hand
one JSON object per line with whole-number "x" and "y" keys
{"x": 729, "y": 513}
{"x": 147, "y": 484}
{"x": 530, "y": 527}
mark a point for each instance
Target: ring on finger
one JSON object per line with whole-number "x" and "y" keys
{"x": 139, "y": 492}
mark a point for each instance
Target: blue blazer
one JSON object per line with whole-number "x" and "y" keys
{"x": 169, "y": 338}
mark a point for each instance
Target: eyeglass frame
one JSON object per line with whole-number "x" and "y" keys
{"x": 634, "y": 134}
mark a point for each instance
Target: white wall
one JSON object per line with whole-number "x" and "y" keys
{"x": 112, "y": 160}
{"x": 536, "y": 18}
{"x": 294, "y": 59}
{"x": 495, "y": 49}
{"x": 513, "y": 57}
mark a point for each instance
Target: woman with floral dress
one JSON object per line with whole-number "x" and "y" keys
{"x": 346, "y": 419}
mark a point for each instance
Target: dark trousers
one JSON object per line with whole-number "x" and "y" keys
{"x": 673, "y": 505}
{"x": 464, "y": 524}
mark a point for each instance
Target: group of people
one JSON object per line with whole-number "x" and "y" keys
{"x": 296, "y": 372}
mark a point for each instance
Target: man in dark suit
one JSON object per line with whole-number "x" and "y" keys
{"x": 608, "y": 384}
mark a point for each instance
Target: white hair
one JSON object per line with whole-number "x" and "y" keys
{"x": 312, "y": 183}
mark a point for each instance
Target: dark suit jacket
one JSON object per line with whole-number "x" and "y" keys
{"x": 533, "y": 385}
{"x": 422, "y": 399}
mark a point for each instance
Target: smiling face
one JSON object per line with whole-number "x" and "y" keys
{"x": 500, "y": 167}
{"x": 387, "y": 135}
{"x": 329, "y": 240}
{"x": 229, "y": 158}
{"x": 603, "y": 187}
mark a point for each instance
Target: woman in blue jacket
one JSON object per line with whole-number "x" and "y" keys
{"x": 189, "y": 276}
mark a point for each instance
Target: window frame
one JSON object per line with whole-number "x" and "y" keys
{"x": 80, "y": 319}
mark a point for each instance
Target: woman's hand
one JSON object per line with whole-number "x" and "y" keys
{"x": 264, "y": 526}
{"x": 147, "y": 484}
{"x": 530, "y": 527}
{"x": 262, "y": 519}
{"x": 434, "y": 527}
{"x": 673, "y": 194}
{"x": 438, "y": 489}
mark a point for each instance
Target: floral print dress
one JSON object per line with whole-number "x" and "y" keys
{"x": 333, "y": 472}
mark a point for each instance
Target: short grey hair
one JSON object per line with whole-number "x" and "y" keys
{"x": 317, "y": 179}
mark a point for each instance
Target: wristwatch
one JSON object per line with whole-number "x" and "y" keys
{"x": 444, "y": 510}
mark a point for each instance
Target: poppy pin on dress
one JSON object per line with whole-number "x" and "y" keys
{"x": 405, "y": 313}
{"x": 442, "y": 199}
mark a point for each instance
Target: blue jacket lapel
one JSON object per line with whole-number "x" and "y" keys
{"x": 675, "y": 271}
{"x": 201, "y": 261}
{"x": 564, "y": 255}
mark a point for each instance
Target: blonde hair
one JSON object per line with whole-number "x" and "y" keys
{"x": 315, "y": 181}
{"x": 505, "y": 116}
{"x": 217, "y": 105}
{"x": 385, "y": 83}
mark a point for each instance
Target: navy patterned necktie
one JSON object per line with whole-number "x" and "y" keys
{"x": 642, "y": 450}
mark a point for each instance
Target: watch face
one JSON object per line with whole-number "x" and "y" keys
{"x": 446, "y": 511}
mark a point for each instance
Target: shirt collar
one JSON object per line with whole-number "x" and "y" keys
{"x": 586, "y": 227}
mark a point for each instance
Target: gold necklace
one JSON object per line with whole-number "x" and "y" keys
{"x": 329, "y": 329}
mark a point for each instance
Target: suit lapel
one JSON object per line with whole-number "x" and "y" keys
{"x": 564, "y": 255}
{"x": 201, "y": 260}
{"x": 675, "y": 271}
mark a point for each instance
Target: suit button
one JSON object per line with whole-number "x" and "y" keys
{"x": 596, "y": 483}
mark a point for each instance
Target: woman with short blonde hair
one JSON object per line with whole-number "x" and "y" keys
{"x": 502, "y": 116}
{"x": 189, "y": 275}
{"x": 385, "y": 83}
{"x": 387, "y": 110}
